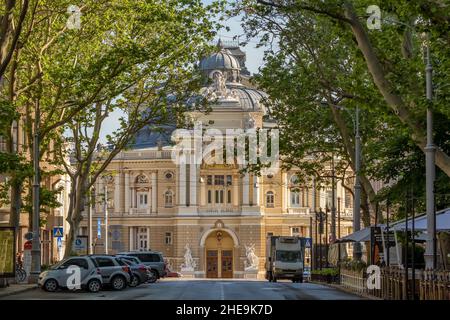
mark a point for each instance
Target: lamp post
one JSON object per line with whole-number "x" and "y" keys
{"x": 333, "y": 201}
{"x": 36, "y": 243}
{"x": 357, "y": 188}
{"x": 430, "y": 171}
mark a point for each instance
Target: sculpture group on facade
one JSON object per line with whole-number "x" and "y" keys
{"x": 189, "y": 262}
{"x": 252, "y": 262}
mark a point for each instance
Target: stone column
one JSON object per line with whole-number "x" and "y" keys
{"x": 203, "y": 193}
{"x": 256, "y": 191}
{"x": 193, "y": 176}
{"x": 235, "y": 191}
{"x": 127, "y": 192}
{"x": 286, "y": 192}
{"x": 149, "y": 201}
{"x": 117, "y": 203}
{"x": 283, "y": 191}
{"x": 154, "y": 198}
{"x": 246, "y": 189}
{"x": 132, "y": 236}
{"x": 182, "y": 184}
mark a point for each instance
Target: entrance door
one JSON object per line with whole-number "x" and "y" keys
{"x": 227, "y": 264}
{"x": 211, "y": 264}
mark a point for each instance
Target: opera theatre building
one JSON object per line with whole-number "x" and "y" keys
{"x": 216, "y": 213}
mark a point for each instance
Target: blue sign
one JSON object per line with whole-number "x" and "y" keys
{"x": 308, "y": 242}
{"x": 99, "y": 228}
{"x": 58, "y": 232}
{"x": 59, "y": 242}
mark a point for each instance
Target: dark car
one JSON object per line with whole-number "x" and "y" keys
{"x": 140, "y": 273}
{"x": 152, "y": 259}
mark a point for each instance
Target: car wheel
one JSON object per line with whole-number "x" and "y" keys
{"x": 118, "y": 283}
{"x": 51, "y": 285}
{"x": 153, "y": 276}
{"x": 134, "y": 281}
{"x": 94, "y": 285}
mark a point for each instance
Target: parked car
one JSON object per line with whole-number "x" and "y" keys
{"x": 58, "y": 276}
{"x": 152, "y": 259}
{"x": 140, "y": 273}
{"x": 115, "y": 273}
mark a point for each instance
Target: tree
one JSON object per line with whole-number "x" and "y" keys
{"x": 152, "y": 74}
{"x": 315, "y": 59}
{"x": 12, "y": 16}
{"x": 395, "y": 68}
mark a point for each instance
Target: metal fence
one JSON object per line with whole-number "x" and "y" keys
{"x": 429, "y": 285}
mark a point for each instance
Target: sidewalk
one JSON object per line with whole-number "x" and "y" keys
{"x": 343, "y": 289}
{"x": 15, "y": 289}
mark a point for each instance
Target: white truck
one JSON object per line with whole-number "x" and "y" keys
{"x": 285, "y": 258}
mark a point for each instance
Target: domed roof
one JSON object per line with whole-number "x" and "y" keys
{"x": 222, "y": 60}
{"x": 251, "y": 99}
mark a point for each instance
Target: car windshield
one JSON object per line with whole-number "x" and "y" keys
{"x": 288, "y": 256}
{"x": 56, "y": 265}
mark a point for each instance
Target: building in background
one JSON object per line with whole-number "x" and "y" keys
{"x": 153, "y": 203}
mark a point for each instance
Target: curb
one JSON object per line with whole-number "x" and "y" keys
{"x": 7, "y": 294}
{"x": 340, "y": 288}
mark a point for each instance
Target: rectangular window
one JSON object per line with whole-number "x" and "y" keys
{"x": 295, "y": 231}
{"x": 142, "y": 200}
{"x": 229, "y": 196}
{"x": 219, "y": 196}
{"x": 169, "y": 238}
{"x": 229, "y": 180}
{"x": 219, "y": 180}
{"x": 209, "y": 196}
{"x": 105, "y": 262}
{"x": 209, "y": 180}
{"x": 348, "y": 199}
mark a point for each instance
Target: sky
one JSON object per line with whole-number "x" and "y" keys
{"x": 253, "y": 62}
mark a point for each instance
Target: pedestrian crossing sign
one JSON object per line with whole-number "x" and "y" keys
{"x": 308, "y": 242}
{"x": 58, "y": 232}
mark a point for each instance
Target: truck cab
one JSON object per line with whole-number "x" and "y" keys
{"x": 285, "y": 258}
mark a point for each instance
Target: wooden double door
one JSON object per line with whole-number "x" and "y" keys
{"x": 219, "y": 263}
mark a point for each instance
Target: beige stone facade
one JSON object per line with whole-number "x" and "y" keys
{"x": 154, "y": 203}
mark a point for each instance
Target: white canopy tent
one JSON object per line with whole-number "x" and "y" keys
{"x": 420, "y": 222}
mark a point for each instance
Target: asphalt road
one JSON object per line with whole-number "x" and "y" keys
{"x": 182, "y": 289}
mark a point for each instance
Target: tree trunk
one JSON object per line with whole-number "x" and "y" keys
{"x": 386, "y": 89}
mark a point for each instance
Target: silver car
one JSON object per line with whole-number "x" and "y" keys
{"x": 114, "y": 272}
{"x": 72, "y": 273}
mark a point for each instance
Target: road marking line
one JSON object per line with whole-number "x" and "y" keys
{"x": 222, "y": 293}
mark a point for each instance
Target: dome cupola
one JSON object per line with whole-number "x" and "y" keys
{"x": 222, "y": 60}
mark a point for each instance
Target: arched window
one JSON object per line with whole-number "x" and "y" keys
{"x": 270, "y": 199}
{"x": 168, "y": 198}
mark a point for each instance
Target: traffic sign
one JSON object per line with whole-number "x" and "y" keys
{"x": 29, "y": 236}
{"x": 308, "y": 242}
{"x": 58, "y": 232}
{"x": 28, "y": 245}
{"x": 59, "y": 242}
{"x": 80, "y": 244}
{"x": 99, "y": 228}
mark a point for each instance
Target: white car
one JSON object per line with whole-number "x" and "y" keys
{"x": 72, "y": 273}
